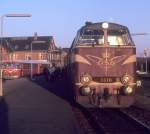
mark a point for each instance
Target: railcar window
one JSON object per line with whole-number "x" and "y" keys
{"x": 11, "y": 65}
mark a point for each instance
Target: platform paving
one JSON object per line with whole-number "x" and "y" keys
{"x": 28, "y": 108}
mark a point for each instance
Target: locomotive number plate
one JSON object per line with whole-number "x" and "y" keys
{"x": 105, "y": 79}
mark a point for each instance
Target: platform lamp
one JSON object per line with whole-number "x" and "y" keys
{"x": 145, "y": 55}
{"x": 1, "y": 45}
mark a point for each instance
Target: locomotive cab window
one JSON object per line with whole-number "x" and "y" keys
{"x": 97, "y": 38}
{"x": 116, "y": 36}
{"x": 119, "y": 38}
{"x": 90, "y": 36}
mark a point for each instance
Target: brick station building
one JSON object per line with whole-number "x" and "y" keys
{"x": 40, "y": 49}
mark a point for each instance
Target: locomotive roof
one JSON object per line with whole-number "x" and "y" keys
{"x": 112, "y": 26}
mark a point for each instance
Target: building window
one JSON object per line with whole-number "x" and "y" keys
{"x": 39, "y": 56}
{"x": 16, "y": 56}
{"x": 27, "y": 57}
{"x": 42, "y": 56}
{"x": 26, "y": 47}
{"x": 16, "y": 47}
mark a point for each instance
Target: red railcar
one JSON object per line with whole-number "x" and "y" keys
{"x": 101, "y": 66}
{"x": 11, "y": 71}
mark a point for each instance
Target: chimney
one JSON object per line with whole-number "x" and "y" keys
{"x": 35, "y": 36}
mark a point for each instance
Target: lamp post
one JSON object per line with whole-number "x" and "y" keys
{"x": 1, "y": 46}
{"x": 33, "y": 42}
{"x": 145, "y": 54}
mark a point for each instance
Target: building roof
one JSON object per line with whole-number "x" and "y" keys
{"x": 25, "y": 43}
{"x": 65, "y": 50}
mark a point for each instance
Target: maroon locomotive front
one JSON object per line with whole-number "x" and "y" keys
{"x": 101, "y": 65}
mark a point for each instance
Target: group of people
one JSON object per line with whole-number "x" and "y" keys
{"x": 52, "y": 73}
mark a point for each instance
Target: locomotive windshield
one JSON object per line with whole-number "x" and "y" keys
{"x": 94, "y": 35}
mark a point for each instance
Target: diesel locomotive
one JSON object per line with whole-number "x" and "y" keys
{"x": 101, "y": 65}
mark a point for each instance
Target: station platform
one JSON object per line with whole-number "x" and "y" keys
{"x": 142, "y": 95}
{"x": 29, "y": 108}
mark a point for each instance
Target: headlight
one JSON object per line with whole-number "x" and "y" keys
{"x": 85, "y": 79}
{"x": 128, "y": 90}
{"x": 85, "y": 90}
{"x": 105, "y": 25}
{"x": 138, "y": 83}
{"x": 125, "y": 79}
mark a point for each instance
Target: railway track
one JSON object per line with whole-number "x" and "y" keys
{"x": 139, "y": 114}
{"x": 86, "y": 123}
{"x": 111, "y": 121}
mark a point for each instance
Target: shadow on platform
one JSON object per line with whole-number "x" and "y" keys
{"x": 57, "y": 87}
{"x": 4, "y": 128}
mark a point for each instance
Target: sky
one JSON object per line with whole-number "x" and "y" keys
{"x": 62, "y": 18}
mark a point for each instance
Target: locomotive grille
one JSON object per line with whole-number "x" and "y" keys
{"x": 106, "y": 79}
